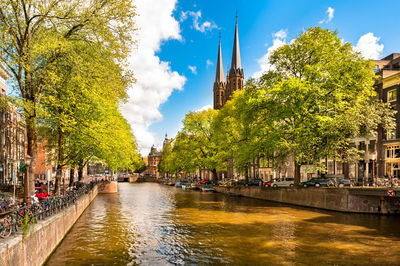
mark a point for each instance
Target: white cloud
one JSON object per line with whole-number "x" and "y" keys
{"x": 155, "y": 78}
{"x": 209, "y": 63}
{"x": 369, "y": 47}
{"x": 193, "y": 69}
{"x": 202, "y": 27}
{"x": 278, "y": 41}
{"x": 281, "y": 34}
{"x": 206, "y": 107}
{"x": 329, "y": 12}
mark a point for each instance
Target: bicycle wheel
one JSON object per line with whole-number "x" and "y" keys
{"x": 5, "y": 228}
{"x": 8, "y": 227}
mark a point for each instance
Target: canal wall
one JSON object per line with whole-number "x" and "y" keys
{"x": 148, "y": 179}
{"x": 108, "y": 187}
{"x": 44, "y": 236}
{"x": 337, "y": 199}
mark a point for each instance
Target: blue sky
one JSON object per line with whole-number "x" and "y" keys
{"x": 178, "y": 41}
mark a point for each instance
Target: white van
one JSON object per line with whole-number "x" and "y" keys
{"x": 283, "y": 182}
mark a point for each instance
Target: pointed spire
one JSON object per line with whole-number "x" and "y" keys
{"x": 219, "y": 77}
{"x": 236, "y": 64}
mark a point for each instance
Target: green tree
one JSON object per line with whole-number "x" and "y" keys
{"x": 165, "y": 165}
{"x": 315, "y": 99}
{"x": 36, "y": 34}
{"x": 197, "y": 142}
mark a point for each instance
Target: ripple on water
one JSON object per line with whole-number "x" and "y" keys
{"x": 152, "y": 224}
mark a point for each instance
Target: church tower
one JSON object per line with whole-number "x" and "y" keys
{"x": 219, "y": 84}
{"x": 235, "y": 77}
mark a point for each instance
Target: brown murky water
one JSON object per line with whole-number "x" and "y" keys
{"x": 151, "y": 224}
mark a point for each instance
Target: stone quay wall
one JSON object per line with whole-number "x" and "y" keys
{"x": 108, "y": 187}
{"x": 44, "y": 236}
{"x": 337, "y": 199}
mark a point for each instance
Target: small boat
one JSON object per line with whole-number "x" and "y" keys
{"x": 193, "y": 186}
{"x": 234, "y": 194}
{"x": 208, "y": 189}
{"x": 184, "y": 187}
{"x": 171, "y": 184}
{"x": 178, "y": 184}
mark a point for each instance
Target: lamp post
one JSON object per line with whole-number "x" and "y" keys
{"x": 27, "y": 195}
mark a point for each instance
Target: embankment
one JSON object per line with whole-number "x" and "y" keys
{"x": 343, "y": 199}
{"x": 44, "y": 236}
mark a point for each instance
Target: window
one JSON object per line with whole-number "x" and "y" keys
{"x": 362, "y": 146}
{"x": 393, "y": 151}
{"x": 371, "y": 146}
{"x": 392, "y": 95}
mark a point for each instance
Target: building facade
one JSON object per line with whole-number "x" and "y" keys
{"x": 388, "y": 143}
{"x": 12, "y": 136}
{"x": 153, "y": 160}
{"x": 45, "y": 164}
{"x": 222, "y": 90}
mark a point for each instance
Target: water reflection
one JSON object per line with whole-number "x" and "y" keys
{"x": 154, "y": 224}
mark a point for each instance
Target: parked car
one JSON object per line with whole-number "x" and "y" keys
{"x": 226, "y": 182}
{"x": 283, "y": 182}
{"x": 41, "y": 193}
{"x": 339, "y": 182}
{"x": 268, "y": 183}
{"x": 316, "y": 182}
{"x": 240, "y": 182}
{"x": 204, "y": 181}
{"x": 255, "y": 182}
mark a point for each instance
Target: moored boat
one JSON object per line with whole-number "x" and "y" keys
{"x": 208, "y": 189}
{"x": 194, "y": 186}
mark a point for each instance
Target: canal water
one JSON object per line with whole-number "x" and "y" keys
{"x": 152, "y": 224}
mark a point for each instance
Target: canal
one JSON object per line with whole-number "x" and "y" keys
{"x": 152, "y": 224}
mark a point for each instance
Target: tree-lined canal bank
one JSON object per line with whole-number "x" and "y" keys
{"x": 153, "y": 224}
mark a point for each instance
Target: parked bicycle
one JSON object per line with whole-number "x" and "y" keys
{"x": 5, "y": 226}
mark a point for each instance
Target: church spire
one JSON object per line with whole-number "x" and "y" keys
{"x": 219, "y": 77}
{"x": 236, "y": 64}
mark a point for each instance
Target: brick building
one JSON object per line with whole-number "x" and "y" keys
{"x": 12, "y": 136}
{"x": 388, "y": 143}
{"x": 153, "y": 160}
{"x": 45, "y": 163}
{"x": 235, "y": 78}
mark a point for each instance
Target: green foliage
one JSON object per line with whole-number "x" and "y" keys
{"x": 194, "y": 147}
{"x": 318, "y": 96}
{"x": 165, "y": 165}
{"x": 68, "y": 60}
{"x": 27, "y": 225}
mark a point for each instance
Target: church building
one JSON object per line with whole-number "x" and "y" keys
{"x": 234, "y": 80}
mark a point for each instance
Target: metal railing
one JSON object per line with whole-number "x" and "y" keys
{"x": 16, "y": 218}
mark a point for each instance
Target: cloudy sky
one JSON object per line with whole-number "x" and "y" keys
{"x": 174, "y": 60}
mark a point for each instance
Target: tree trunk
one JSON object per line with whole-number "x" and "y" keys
{"x": 31, "y": 134}
{"x": 297, "y": 168}
{"x": 60, "y": 162}
{"x": 80, "y": 173}
{"x": 71, "y": 176}
{"x": 346, "y": 170}
{"x": 246, "y": 176}
{"x": 214, "y": 171}
{"x": 380, "y": 149}
{"x": 254, "y": 169}
{"x": 380, "y": 155}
